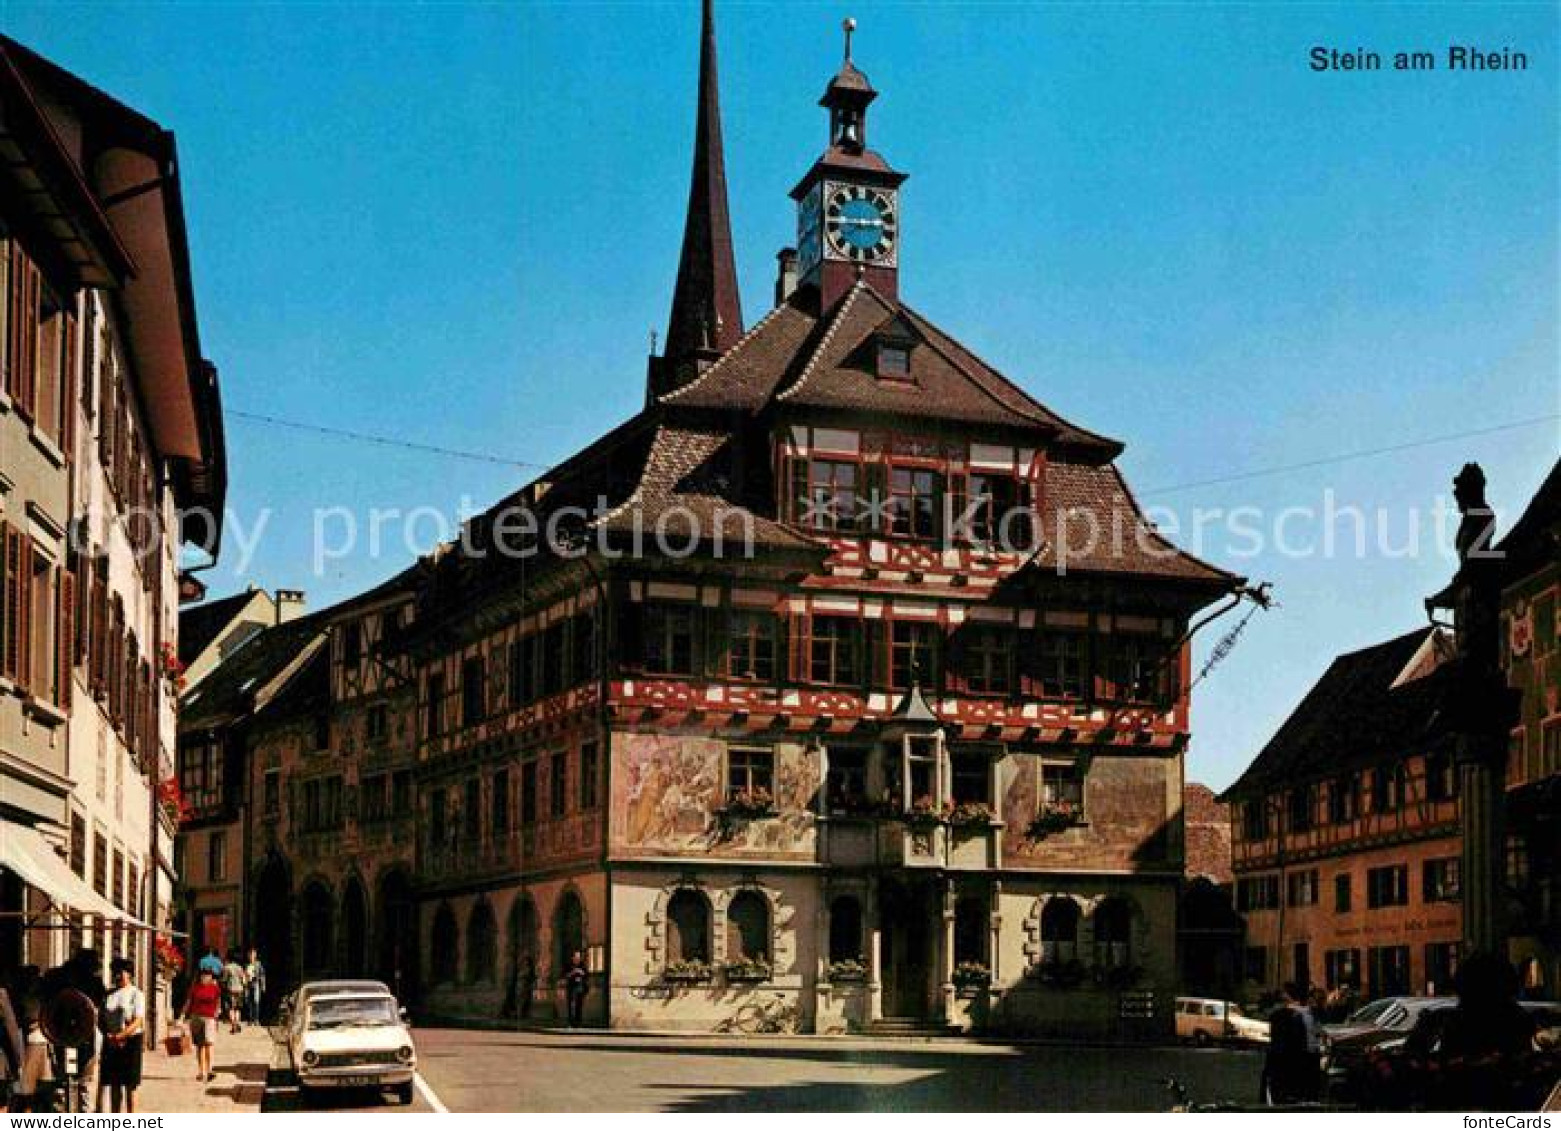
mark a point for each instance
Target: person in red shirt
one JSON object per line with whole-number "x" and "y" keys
{"x": 200, "y": 1010}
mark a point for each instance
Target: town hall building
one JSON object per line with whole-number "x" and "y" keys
{"x": 853, "y": 683}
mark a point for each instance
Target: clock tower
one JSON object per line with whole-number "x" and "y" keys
{"x": 848, "y": 204}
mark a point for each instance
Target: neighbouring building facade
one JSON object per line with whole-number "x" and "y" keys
{"x": 1345, "y": 834}
{"x": 1211, "y": 935}
{"x": 217, "y": 720}
{"x": 1531, "y": 634}
{"x": 111, "y": 459}
{"x": 829, "y": 697}
{"x": 331, "y": 822}
{"x": 296, "y": 760}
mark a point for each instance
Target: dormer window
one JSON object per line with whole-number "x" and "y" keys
{"x": 892, "y": 344}
{"x": 894, "y": 361}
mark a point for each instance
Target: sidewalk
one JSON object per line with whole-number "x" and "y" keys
{"x": 239, "y": 1064}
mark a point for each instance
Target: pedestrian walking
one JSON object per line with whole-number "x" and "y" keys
{"x": 576, "y": 983}
{"x": 123, "y": 1022}
{"x": 84, "y": 974}
{"x": 210, "y": 961}
{"x": 37, "y": 1075}
{"x": 1284, "y": 1068}
{"x": 234, "y": 988}
{"x": 201, "y": 1009}
{"x": 254, "y": 986}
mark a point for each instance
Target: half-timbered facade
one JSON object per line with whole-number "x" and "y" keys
{"x": 846, "y": 671}
{"x": 1345, "y": 834}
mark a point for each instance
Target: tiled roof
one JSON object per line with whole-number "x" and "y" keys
{"x": 684, "y": 491}
{"x": 1535, "y": 539}
{"x": 200, "y": 624}
{"x": 229, "y": 691}
{"x": 1353, "y": 716}
{"x": 796, "y": 357}
{"x": 1091, "y": 523}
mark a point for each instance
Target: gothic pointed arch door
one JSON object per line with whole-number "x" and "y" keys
{"x": 396, "y": 923}
{"x": 354, "y": 929}
{"x": 273, "y": 930}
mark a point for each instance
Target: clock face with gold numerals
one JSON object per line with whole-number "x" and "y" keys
{"x": 861, "y": 224}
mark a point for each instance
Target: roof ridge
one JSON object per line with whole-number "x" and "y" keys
{"x": 829, "y": 335}
{"x": 671, "y": 395}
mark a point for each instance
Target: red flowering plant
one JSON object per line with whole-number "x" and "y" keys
{"x": 175, "y": 806}
{"x": 169, "y": 958}
{"x": 752, "y": 803}
{"x": 925, "y": 812}
{"x": 172, "y": 666}
{"x": 970, "y": 814}
{"x": 1054, "y": 817}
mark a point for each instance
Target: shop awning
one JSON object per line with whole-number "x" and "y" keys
{"x": 23, "y": 850}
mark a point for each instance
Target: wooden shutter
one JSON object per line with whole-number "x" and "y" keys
{"x": 67, "y": 379}
{"x": 65, "y": 637}
{"x": 18, "y": 577}
{"x": 8, "y": 623}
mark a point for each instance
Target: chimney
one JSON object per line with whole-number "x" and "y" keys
{"x": 785, "y": 274}
{"x": 289, "y": 605}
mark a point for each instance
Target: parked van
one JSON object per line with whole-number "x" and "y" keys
{"x": 1206, "y": 1021}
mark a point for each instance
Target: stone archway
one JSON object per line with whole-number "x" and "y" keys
{"x": 396, "y": 923}
{"x": 354, "y": 929}
{"x": 272, "y": 919}
{"x": 318, "y": 929}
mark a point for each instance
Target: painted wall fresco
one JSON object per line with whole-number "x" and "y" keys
{"x": 1129, "y": 816}
{"x": 668, "y": 793}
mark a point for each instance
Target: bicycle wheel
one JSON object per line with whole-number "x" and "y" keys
{"x": 750, "y": 1019}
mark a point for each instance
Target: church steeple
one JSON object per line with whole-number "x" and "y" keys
{"x": 707, "y": 316}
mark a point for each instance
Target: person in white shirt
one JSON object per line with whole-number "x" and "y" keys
{"x": 123, "y": 1021}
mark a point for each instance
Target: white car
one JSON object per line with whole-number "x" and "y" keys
{"x": 1205, "y": 1020}
{"x": 351, "y": 1039}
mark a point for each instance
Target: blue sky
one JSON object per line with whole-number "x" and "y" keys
{"x": 458, "y": 224}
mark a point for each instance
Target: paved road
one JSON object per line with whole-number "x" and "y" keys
{"x": 477, "y": 1071}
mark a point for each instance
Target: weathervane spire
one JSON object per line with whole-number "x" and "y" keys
{"x": 848, "y": 25}
{"x": 707, "y": 317}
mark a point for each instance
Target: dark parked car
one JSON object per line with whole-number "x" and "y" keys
{"x": 1344, "y": 1046}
